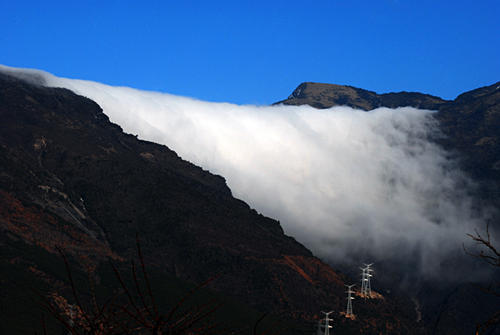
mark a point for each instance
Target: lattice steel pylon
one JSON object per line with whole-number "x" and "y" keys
{"x": 324, "y": 324}
{"x": 366, "y": 289}
{"x": 363, "y": 282}
{"x": 350, "y": 298}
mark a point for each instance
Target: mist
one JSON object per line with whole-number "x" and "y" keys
{"x": 346, "y": 183}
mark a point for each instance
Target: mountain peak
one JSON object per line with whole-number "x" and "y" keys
{"x": 321, "y": 95}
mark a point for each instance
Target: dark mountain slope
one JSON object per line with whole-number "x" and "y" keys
{"x": 70, "y": 177}
{"x": 472, "y": 125}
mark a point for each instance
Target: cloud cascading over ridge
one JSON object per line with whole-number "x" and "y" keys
{"x": 342, "y": 181}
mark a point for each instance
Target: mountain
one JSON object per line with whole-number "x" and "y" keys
{"x": 327, "y": 95}
{"x": 70, "y": 178}
{"x": 470, "y": 123}
{"x": 470, "y": 130}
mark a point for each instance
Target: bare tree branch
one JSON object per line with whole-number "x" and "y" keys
{"x": 491, "y": 255}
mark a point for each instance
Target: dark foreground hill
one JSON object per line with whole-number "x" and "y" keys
{"x": 70, "y": 178}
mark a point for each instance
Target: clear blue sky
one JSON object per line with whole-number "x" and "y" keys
{"x": 258, "y": 51}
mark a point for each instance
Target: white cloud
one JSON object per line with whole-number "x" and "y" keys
{"x": 344, "y": 182}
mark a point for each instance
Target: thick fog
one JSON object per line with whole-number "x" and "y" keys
{"x": 344, "y": 182}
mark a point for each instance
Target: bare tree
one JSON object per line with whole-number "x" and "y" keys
{"x": 137, "y": 314}
{"x": 491, "y": 255}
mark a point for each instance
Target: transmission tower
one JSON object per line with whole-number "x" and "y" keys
{"x": 363, "y": 282}
{"x": 366, "y": 289}
{"x": 350, "y": 298}
{"x": 324, "y": 324}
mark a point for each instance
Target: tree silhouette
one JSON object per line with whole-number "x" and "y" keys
{"x": 130, "y": 311}
{"x": 491, "y": 255}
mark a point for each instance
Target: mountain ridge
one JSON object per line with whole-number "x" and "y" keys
{"x": 322, "y": 95}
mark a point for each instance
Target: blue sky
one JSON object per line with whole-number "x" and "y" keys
{"x": 258, "y": 51}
